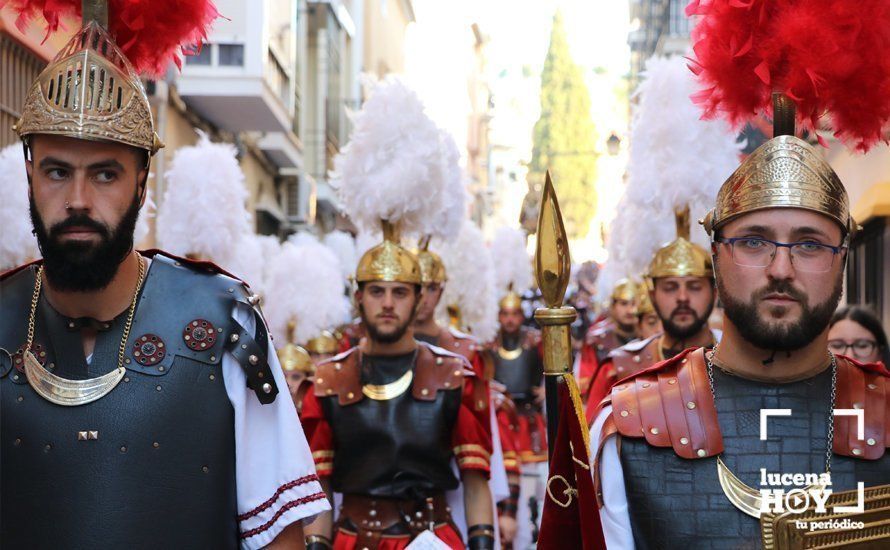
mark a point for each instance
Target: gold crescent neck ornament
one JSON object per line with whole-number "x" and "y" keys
{"x": 71, "y": 393}
{"x": 743, "y": 497}
{"x": 385, "y": 392}
{"x": 509, "y": 354}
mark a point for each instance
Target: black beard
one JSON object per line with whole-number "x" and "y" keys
{"x": 84, "y": 266}
{"x": 387, "y": 338}
{"x": 759, "y": 332}
{"x": 683, "y": 333}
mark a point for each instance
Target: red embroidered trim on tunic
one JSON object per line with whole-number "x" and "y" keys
{"x": 289, "y": 485}
{"x": 280, "y": 512}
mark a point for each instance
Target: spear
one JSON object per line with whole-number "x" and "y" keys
{"x": 552, "y": 269}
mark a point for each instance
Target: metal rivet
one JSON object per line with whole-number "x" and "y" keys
{"x": 418, "y": 515}
{"x": 267, "y": 388}
{"x": 126, "y": 378}
{"x": 81, "y": 436}
{"x": 337, "y": 366}
{"x": 253, "y": 359}
{"x": 70, "y": 325}
{"x": 457, "y": 344}
{"x": 123, "y": 448}
{"x": 127, "y": 361}
{"x": 653, "y": 431}
{"x": 684, "y": 441}
{"x": 328, "y": 391}
{"x": 205, "y": 469}
{"x": 373, "y": 513}
{"x": 261, "y": 374}
{"x": 15, "y": 376}
{"x": 18, "y": 441}
{"x": 350, "y": 395}
{"x": 672, "y": 381}
{"x": 231, "y": 290}
{"x": 872, "y": 386}
{"x": 212, "y": 358}
{"x": 646, "y": 384}
{"x": 93, "y": 435}
{"x": 637, "y": 359}
{"x": 690, "y": 405}
{"x": 212, "y": 377}
{"x": 424, "y": 391}
{"x": 447, "y": 384}
{"x": 857, "y": 405}
{"x": 319, "y": 380}
{"x": 233, "y": 338}
{"x": 161, "y": 369}
{"x": 857, "y": 452}
{"x": 51, "y": 366}
{"x": 20, "y": 399}
{"x": 158, "y": 388}
{"x": 701, "y": 452}
{"x": 870, "y": 441}
{"x": 625, "y": 414}
{"x": 47, "y": 447}
{"x": 155, "y": 444}
{"x": 243, "y": 346}
{"x": 439, "y": 360}
{"x": 457, "y": 373}
{"x": 683, "y": 362}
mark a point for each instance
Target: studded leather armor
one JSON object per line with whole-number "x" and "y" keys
{"x": 151, "y": 464}
{"x": 676, "y": 501}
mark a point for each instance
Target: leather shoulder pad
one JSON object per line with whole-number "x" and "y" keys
{"x": 198, "y": 265}
{"x": 866, "y": 387}
{"x": 438, "y": 369}
{"x": 340, "y": 376}
{"x": 632, "y": 358}
{"x": 671, "y": 405}
{"x": 10, "y": 272}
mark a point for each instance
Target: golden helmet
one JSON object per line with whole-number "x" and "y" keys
{"x": 432, "y": 269}
{"x": 680, "y": 257}
{"x": 388, "y": 261}
{"x": 90, "y": 91}
{"x": 644, "y": 302}
{"x": 295, "y": 359}
{"x": 784, "y": 172}
{"x": 625, "y": 289}
{"x": 324, "y": 344}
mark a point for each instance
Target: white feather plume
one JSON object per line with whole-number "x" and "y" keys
{"x": 246, "y": 262}
{"x": 471, "y": 283}
{"x": 512, "y": 264}
{"x": 453, "y": 209}
{"x": 304, "y": 286}
{"x": 390, "y": 168}
{"x": 17, "y": 245}
{"x": 204, "y": 209}
{"x": 342, "y": 244}
{"x": 676, "y": 159}
{"x": 148, "y": 211}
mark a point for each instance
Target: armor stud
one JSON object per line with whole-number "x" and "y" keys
{"x": 267, "y": 388}
{"x": 654, "y": 431}
{"x": 701, "y": 453}
{"x": 690, "y": 405}
{"x": 81, "y": 436}
{"x": 684, "y": 441}
{"x": 253, "y": 359}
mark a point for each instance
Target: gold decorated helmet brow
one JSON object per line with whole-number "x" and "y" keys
{"x": 644, "y": 302}
{"x": 294, "y": 358}
{"x": 90, "y": 91}
{"x": 325, "y": 343}
{"x": 681, "y": 257}
{"x": 389, "y": 261}
{"x": 784, "y": 172}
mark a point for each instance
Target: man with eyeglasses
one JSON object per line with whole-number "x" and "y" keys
{"x": 689, "y": 467}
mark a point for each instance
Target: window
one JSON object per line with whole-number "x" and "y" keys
{"x": 231, "y": 55}
{"x": 199, "y": 55}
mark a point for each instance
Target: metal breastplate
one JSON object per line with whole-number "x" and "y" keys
{"x": 400, "y": 447}
{"x": 675, "y": 502}
{"x": 151, "y": 464}
{"x": 518, "y": 368}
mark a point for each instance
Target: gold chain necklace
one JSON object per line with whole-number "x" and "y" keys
{"x": 63, "y": 391}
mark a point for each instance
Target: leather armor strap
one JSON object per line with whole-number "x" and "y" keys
{"x": 372, "y": 518}
{"x": 632, "y": 358}
{"x": 433, "y": 371}
{"x": 867, "y": 388}
{"x": 252, "y": 358}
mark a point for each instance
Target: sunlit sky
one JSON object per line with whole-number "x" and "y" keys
{"x": 439, "y": 57}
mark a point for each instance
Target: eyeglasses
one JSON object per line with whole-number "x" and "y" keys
{"x": 758, "y": 252}
{"x": 861, "y": 348}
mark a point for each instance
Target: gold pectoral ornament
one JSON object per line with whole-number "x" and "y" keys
{"x": 66, "y": 392}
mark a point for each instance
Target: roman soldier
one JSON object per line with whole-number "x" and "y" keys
{"x": 617, "y": 328}
{"x": 131, "y": 382}
{"x": 387, "y": 420}
{"x": 680, "y": 289}
{"x": 694, "y": 467}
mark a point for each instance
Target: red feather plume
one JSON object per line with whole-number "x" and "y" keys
{"x": 829, "y": 56}
{"x": 151, "y": 33}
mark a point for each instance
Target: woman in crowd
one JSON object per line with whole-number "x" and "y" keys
{"x": 856, "y": 332}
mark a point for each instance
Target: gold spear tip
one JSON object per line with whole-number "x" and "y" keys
{"x": 553, "y": 263}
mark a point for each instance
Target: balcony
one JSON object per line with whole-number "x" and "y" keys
{"x": 243, "y": 79}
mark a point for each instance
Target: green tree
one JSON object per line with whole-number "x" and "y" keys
{"x": 564, "y": 137}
